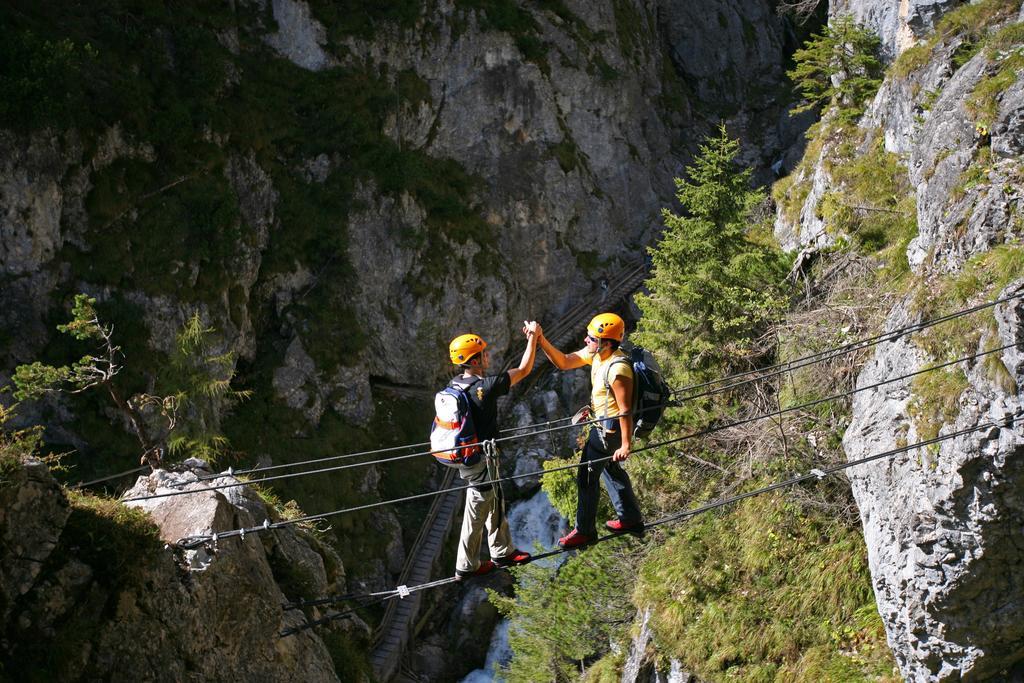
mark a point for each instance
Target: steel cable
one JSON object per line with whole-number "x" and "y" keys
{"x": 196, "y": 541}
{"x": 761, "y": 374}
{"x": 813, "y": 474}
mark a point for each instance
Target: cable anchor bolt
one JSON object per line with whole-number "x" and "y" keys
{"x": 403, "y": 592}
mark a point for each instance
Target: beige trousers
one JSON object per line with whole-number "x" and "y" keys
{"x": 482, "y": 511}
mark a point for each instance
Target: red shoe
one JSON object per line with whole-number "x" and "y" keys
{"x": 486, "y": 567}
{"x": 574, "y": 539}
{"x": 617, "y": 526}
{"x": 514, "y": 557}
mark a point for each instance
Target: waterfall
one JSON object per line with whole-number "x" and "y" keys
{"x": 531, "y": 522}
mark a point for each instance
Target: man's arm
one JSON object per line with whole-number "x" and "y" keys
{"x": 532, "y": 331}
{"x": 562, "y": 361}
{"x": 622, "y": 388}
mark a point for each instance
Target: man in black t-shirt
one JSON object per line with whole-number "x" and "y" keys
{"x": 484, "y": 509}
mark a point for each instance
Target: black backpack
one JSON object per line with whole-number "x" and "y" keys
{"x": 650, "y": 392}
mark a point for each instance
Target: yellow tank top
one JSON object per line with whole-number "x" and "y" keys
{"x": 602, "y": 399}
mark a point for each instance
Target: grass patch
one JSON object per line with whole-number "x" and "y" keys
{"x": 974, "y": 175}
{"x": 875, "y": 203}
{"x": 982, "y": 278}
{"x": 1006, "y": 49}
{"x": 911, "y": 60}
{"x": 968, "y": 22}
{"x": 790, "y": 193}
{"x": 117, "y": 541}
{"x": 936, "y": 400}
{"x": 567, "y": 154}
{"x": 630, "y": 27}
{"x": 767, "y": 591}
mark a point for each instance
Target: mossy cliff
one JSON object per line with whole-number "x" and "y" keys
{"x": 930, "y": 176}
{"x": 905, "y": 207}
{"x": 90, "y": 591}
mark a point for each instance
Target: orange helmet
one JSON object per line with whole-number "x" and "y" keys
{"x": 464, "y": 347}
{"x": 607, "y": 326}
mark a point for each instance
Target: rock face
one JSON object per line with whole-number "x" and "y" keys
{"x": 899, "y": 23}
{"x": 576, "y": 144}
{"x": 563, "y": 128}
{"x": 942, "y": 523}
{"x": 155, "y": 614}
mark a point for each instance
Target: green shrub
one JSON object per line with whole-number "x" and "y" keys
{"x": 40, "y": 79}
{"x": 563, "y": 621}
{"x": 15, "y": 444}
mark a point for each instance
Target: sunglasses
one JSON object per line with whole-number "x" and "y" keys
{"x": 591, "y": 340}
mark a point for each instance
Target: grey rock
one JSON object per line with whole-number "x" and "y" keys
{"x": 898, "y": 23}
{"x": 299, "y": 37}
{"x": 472, "y": 616}
{"x": 302, "y": 386}
{"x": 33, "y": 511}
{"x": 944, "y": 150}
{"x": 162, "y": 620}
{"x": 938, "y": 522}
{"x": 526, "y": 461}
{"x": 30, "y": 202}
{"x": 295, "y": 382}
{"x": 1008, "y": 133}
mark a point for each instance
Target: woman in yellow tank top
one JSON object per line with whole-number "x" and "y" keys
{"x": 610, "y": 441}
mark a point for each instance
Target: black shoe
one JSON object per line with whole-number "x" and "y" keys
{"x": 513, "y": 558}
{"x": 486, "y": 567}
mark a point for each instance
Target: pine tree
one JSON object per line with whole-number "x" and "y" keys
{"x": 716, "y": 282}
{"x": 839, "y": 67}
{"x": 195, "y": 383}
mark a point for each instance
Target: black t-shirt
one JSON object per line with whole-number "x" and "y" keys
{"x": 483, "y": 400}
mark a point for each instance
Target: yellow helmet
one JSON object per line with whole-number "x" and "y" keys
{"x": 607, "y": 326}
{"x": 464, "y": 347}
